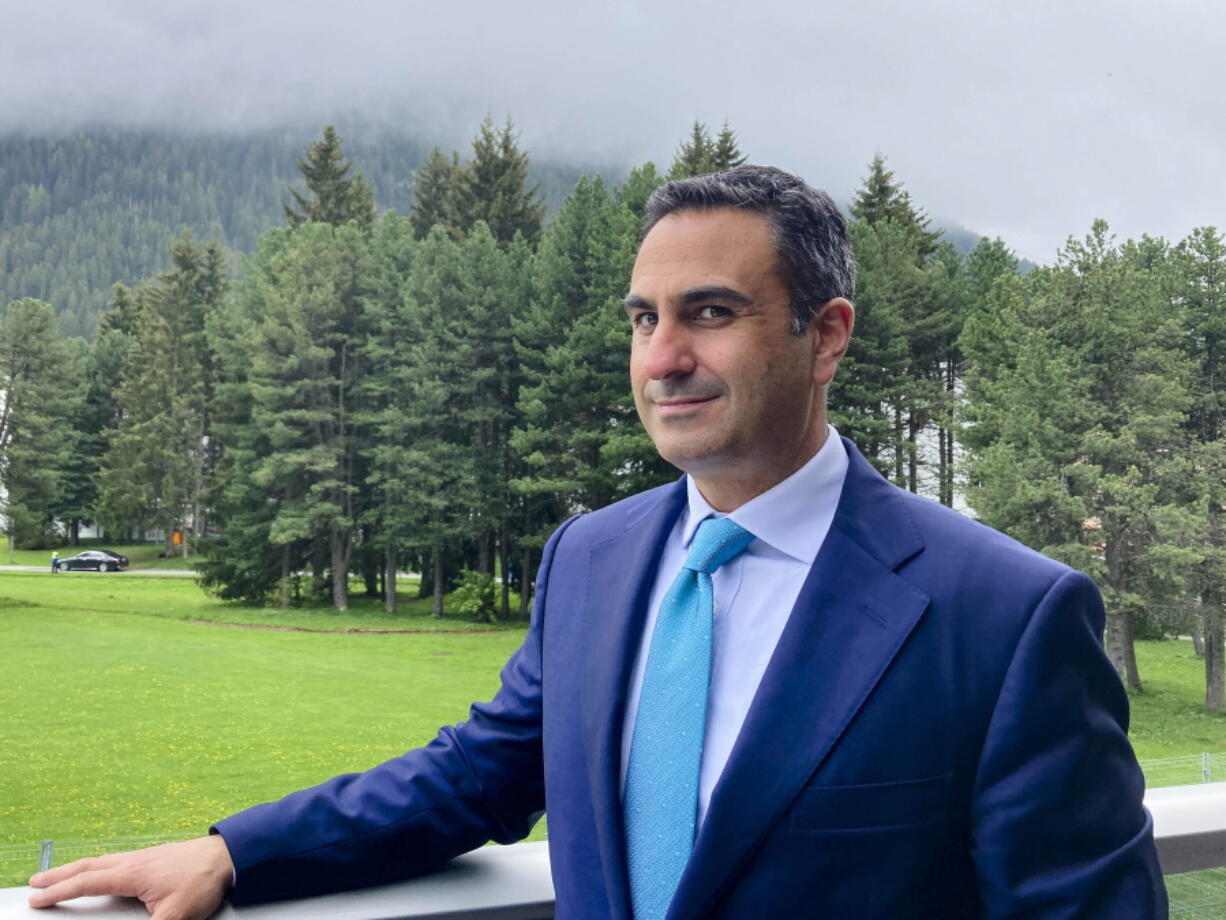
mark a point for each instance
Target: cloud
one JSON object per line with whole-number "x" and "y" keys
{"x": 1020, "y": 120}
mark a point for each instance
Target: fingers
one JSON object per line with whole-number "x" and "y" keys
{"x": 177, "y": 881}
{"x": 88, "y": 882}
{"x": 59, "y": 873}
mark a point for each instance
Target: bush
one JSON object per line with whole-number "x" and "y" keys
{"x": 474, "y": 595}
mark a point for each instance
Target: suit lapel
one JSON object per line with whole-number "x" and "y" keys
{"x": 622, "y": 572}
{"x": 851, "y": 618}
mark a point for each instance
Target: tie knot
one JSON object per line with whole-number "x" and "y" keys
{"x": 716, "y": 541}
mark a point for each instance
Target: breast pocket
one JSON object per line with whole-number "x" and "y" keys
{"x": 872, "y": 806}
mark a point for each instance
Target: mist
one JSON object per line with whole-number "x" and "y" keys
{"x": 1024, "y": 121}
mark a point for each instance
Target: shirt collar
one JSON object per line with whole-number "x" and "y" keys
{"x": 792, "y": 516}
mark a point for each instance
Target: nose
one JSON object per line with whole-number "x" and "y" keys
{"x": 668, "y": 351}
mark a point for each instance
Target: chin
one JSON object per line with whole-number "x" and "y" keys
{"x": 692, "y": 458}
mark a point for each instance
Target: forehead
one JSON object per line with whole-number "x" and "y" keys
{"x": 724, "y": 246}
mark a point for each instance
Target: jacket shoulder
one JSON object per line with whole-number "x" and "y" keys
{"x": 612, "y": 520}
{"x": 968, "y": 558}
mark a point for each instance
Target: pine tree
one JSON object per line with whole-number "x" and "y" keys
{"x": 695, "y": 156}
{"x": 916, "y": 297}
{"x": 494, "y": 187}
{"x": 243, "y": 562}
{"x": 1079, "y": 390}
{"x": 872, "y": 386}
{"x": 158, "y": 455}
{"x": 435, "y": 193}
{"x": 580, "y": 440}
{"x": 952, "y": 291}
{"x": 391, "y": 508}
{"x": 38, "y": 399}
{"x": 336, "y": 197}
{"x": 303, "y": 298}
{"x": 725, "y": 153}
{"x": 634, "y": 193}
{"x": 423, "y": 462}
{"x": 1201, "y": 266}
{"x": 882, "y": 198}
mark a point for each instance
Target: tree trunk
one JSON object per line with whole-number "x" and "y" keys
{"x": 389, "y": 579}
{"x": 339, "y": 544}
{"x": 1215, "y": 653}
{"x": 942, "y": 464}
{"x": 425, "y": 585}
{"x": 525, "y": 584}
{"x": 436, "y": 605}
{"x": 286, "y": 578}
{"x": 1121, "y": 651}
{"x": 1132, "y": 674}
{"x": 319, "y": 567}
{"x": 1120, "y": 646}
{"x": 485, "y": 559}
{"x": 951, "y": 388}
{"x": 74, "y": 532}
{"x": 505, "y": 609}
{"x": 898, "y": 448}
{"x": 370, "y": 573}
{"x": 1198, "y": 636}
{"x": 912, "y": 453}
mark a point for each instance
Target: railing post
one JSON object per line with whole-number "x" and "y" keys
{"x": 1206, "y": 768}
{"x": 44, "y": 855}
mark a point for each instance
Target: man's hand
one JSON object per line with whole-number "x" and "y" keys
{"x": 176, "y": 881}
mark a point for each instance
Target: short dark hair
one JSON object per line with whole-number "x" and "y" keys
{"x": 810, "y": 234}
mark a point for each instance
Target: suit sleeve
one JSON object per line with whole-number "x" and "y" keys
{"x": 1057, "y": 822}
{"x": 478, "y": 781}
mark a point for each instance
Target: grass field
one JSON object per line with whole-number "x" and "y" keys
{"x": 140, "y": 556}
{"x": 1169, "y": 717}
{"x": 122, "y": 717}
{"x": 121, "y": 724}
{"x": 179, "y": 598}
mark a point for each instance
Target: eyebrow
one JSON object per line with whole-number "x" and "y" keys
{"x": 693, "y": 295}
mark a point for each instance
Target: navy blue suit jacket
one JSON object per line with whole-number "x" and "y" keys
{"x": 939, "y": 734}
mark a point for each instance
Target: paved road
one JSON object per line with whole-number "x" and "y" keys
{"x": 47, "y": 569}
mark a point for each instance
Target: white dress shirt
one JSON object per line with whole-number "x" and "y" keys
{"x": 754, "y": 595}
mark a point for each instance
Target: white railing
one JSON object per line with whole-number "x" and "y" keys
{"x": 513, "y": 883}
{"x": 1189, "y": 826}
{"x": 491, "y": 883}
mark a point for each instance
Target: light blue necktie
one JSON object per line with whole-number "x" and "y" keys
{"x": 661, "y": 797}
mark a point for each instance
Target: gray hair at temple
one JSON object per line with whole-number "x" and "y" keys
{"x": 810, "y": 234}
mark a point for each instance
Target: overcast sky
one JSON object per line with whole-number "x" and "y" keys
{"x": 1024, "y": 119}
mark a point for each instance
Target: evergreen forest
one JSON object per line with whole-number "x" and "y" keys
{"x": 419, "y": 362}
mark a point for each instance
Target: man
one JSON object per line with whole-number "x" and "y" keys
{"x": 778, "y": 687}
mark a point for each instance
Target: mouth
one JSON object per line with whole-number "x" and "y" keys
{"x": 670, "y": 407}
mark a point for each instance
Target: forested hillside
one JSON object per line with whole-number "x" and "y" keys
{"x": 82, "y": 211}
{"x": 442, "y": 386}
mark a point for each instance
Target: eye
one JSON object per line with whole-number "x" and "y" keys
{"x": 713, "y": 312}
{"x": 644, "y": 321}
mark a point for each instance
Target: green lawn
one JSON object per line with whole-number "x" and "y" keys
{"x": 179, "y": 598}
{"x": 120, "y": 717}
{"x": 122, "y": 724}
{"x": 1169, "y": 717}
{"x": 140, "y": 556}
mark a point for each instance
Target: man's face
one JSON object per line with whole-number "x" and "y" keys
{"x": 725, "y": 389}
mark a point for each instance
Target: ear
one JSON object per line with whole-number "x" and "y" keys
{"x": 831, "y": 329}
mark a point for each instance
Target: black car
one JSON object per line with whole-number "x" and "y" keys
{"x": 120, "y": 559}
{"x": 95, "y": 560}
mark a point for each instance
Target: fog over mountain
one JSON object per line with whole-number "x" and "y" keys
{"x": 1020, "y": 120}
